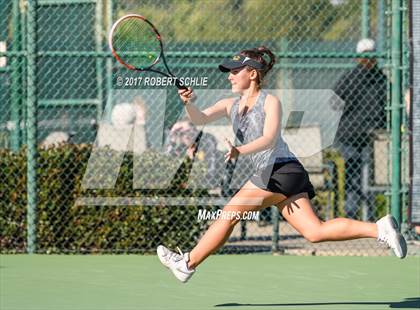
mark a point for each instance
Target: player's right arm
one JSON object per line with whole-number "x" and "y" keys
{"x": 198, "y": 117}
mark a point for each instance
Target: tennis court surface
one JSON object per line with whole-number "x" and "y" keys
{"x": 103, "y": 282}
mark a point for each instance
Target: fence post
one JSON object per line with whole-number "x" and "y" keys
{"x": 396, "y": 110}
{"x": 365, "y": 19}
{"x": 405, "y": 84}
{"x": 276, "y": 224}
{"x": 106, "y": 112}
{"x": 381, "y": 26}
{"x": 32, "y": 125}
{"x": 99, "y": 60}
{"x": 16, "y": 111}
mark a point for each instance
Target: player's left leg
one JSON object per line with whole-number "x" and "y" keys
{"x": 249, "y": 198}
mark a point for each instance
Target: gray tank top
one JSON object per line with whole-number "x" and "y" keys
{"x": 250, "y": 127}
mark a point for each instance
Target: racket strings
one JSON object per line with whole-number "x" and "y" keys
{"x": 136, "y": 43}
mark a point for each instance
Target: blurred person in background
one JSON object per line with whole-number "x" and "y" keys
{"x": 56, "y": 139}
{"x": 181, "y": 141}
{"x": 363, "y": 90}
{"x": 127, "y": 119}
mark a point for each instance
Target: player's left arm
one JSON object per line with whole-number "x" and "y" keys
{"x": 272, "y": 125}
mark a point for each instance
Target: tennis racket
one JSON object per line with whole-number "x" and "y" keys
{"x": 137, "y": 45}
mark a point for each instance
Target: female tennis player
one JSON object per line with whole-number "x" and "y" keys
{"x": 279, "y": 178}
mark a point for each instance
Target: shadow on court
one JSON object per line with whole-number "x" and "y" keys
{"x": 408, "y": 303}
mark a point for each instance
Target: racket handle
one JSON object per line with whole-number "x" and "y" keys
{"x": 197, "y": 142}
{"x": 180, "y": 85}
{"x": 227, "y": 178}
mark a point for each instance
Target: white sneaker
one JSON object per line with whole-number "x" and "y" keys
{"x": 177, "y": 263}
{"x": 388, "y": 233}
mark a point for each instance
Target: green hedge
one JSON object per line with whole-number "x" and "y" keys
{"x": 381, "y": 203}
{"x": 340, "y": 179}
{"x": 64, "y": 226}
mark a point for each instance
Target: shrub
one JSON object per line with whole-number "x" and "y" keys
{"x": 63, "y": 225}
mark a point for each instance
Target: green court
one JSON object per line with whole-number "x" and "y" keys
{"x": 223, "y": 282}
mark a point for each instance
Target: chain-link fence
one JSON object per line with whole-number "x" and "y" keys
{"x": 94, "y": 160}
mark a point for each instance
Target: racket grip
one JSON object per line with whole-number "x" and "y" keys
{"x": 180, "y": 85}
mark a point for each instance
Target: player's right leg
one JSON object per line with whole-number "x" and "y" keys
{"x": 298, "y": 212}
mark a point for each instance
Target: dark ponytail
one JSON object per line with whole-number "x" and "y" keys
{"x": 260, "y": 54}
{"x": 272, "y": 60}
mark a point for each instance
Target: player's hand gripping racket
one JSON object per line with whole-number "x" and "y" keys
{"x": 136, "y": 44}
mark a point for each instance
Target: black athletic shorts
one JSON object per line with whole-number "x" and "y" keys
{"x": 288, "y": 178}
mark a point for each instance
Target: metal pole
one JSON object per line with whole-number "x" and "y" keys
{"x": 108, "y": 106}
{"x": 15, "y": 98}
{"x": 24, "y": 68}
{"x": 404, "y": 119}
{"x": 396, "y": 110}
{"x": 99, "y": 60}
{"x": 285, "y": 85}
{"x": 365, "y": 18}
{"x": 381, "y": 26}
{"x": 32, "y": 125}
{"x": 276, "y": 225}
